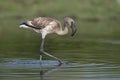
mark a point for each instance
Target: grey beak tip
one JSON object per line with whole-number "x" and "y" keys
{"x": 72, "y": 35}
{"x": 73, "y": 29}
{"x": 73, "y": 32}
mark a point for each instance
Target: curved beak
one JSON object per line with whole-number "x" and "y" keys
{"x": 74, "y": 29}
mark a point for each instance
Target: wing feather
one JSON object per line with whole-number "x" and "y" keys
{"x": 41, "y": 22}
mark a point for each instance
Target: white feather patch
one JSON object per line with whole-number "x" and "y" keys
{"x": 23, "y": 26}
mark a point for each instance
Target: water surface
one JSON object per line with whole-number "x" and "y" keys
{"x": 98, "y": 61}
{"x": 29, "y": 69}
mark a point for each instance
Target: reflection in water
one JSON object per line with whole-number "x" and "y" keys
{"x": 45, "y": 67}
{"x": 44, "y": 73}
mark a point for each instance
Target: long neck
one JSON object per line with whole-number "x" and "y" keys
{"x": 63, "y": 30}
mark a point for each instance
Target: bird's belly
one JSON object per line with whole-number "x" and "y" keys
{"x": 48, "y": 29}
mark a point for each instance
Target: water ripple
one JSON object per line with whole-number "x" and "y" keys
{"x": 22, "y": 68}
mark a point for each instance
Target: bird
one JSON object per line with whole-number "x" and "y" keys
{"x": 47, "y": 25}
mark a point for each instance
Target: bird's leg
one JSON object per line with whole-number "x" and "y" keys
{"x": 60, "y": 61}
{"x": 41, "y": 49}
{"x": 43, "y": 52}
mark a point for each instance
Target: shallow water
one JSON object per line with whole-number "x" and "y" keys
{"x": 29, "y": 69}
{"x": 93, "y": 59}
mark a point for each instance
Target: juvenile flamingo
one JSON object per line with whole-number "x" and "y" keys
{"x": 46, "y": 25}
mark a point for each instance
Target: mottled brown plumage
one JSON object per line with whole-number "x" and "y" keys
{"x": 41, "y": 22}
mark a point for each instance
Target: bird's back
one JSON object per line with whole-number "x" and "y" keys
{"x": 41, "y": 22}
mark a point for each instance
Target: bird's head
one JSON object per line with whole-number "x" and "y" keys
{"x": 70, "y": 22}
